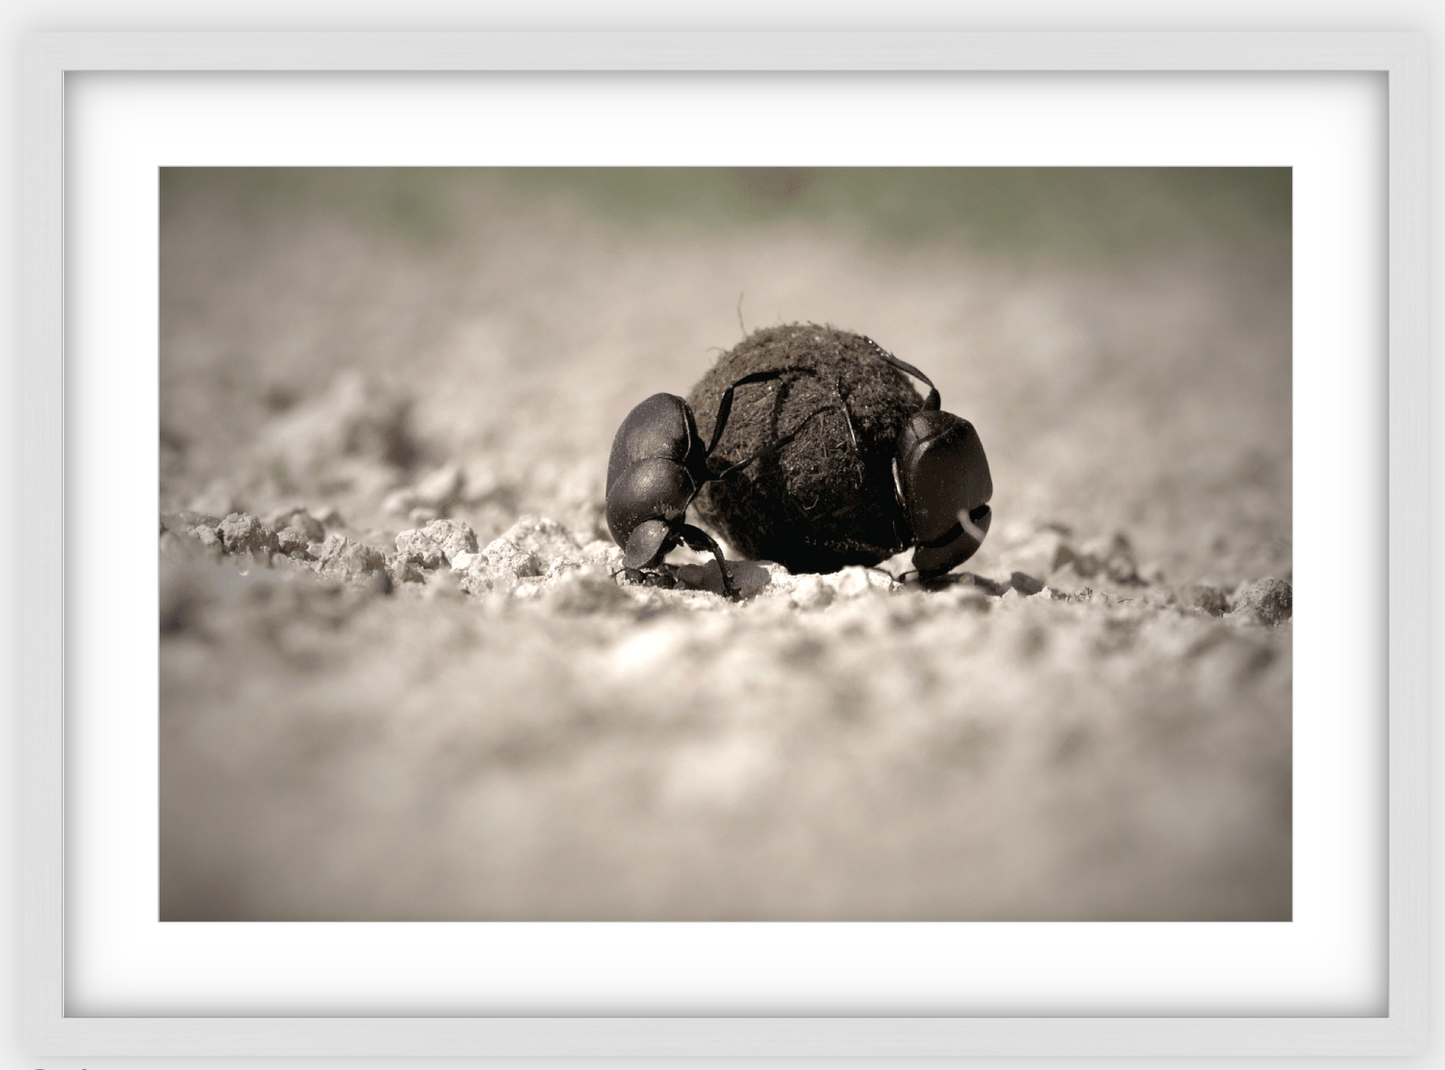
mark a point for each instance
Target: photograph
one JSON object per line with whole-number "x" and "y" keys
{"x": 710, "y": 544}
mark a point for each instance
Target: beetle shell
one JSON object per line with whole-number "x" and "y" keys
{"x": 648, "y": 490}
{"x": 657, "y": 461}
{"x": 661, "y": 426}
{"x": 942, "y": 471}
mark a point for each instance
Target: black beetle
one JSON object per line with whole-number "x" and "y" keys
{"x": 658, "y": 465}
{"x": 942, "y": 480}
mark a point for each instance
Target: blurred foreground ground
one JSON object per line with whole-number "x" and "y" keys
{"x": 475, "y": 722}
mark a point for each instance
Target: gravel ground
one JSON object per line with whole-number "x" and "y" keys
{"x": 399, "y": 679}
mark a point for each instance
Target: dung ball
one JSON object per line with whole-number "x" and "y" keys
{"x": 817, "y": 493}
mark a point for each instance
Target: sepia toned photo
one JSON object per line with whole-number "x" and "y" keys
{"x": 725, "y": 544}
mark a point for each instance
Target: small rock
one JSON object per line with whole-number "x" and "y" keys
{"x": 856, "y": 581}
{"x": 206, "y": 535}
{"x": 477, "y": 577}
{"x": 454, "y": 537}
{"x": 545, "y": 538}
{"x": 414, "y": 547}
{"x": 308, "y": 525}
{"x": 603, "y": 552}
{"x": 243, "y": 533}
{"x": 1267, "y": 601}
{"x": 810, "y": 592}
{"x": 559, "y": 568}
{"x": 440, "y": 540}
{"x": 346, "y": 559}
{"x": 296, "y": 519}
{"x": 1025, "y": 584}
{"x": 1121, "y": 569}
{"x": 402, "y": 569}
{"x": 508, "y": 559}
{"x": 1204, "y": 597}
{"x": 983, "y": 583}
{"x": 291, "y": 541}
{"x": 1114, "y": 556}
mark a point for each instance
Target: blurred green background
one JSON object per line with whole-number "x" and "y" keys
{"x": 1067, "y": 212}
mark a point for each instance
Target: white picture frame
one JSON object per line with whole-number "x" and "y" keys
{"x": 51, "y": 58}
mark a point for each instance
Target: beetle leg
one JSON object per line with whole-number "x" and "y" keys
{"x": 701, "y": 541}
{"x": 725, "y": 405}
{"x": 773, "y": 448}
{"x": 932, "y": 401}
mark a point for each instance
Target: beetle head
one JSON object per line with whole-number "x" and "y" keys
{"x": 649, "y": 543}
{"x": 944, "y": 486}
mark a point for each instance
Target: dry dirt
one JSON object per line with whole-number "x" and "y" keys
{"x": 398, "y": 679}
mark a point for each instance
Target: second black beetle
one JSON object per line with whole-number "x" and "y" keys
{"x": 657, "y": 467}
{"x": 942, "y": 480}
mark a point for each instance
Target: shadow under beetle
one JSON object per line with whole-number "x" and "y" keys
{"x": 657, "y": 467}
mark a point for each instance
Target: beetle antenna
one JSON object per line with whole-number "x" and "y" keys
{"x": 932, "y": 402}
{"x": 702, "y": 542}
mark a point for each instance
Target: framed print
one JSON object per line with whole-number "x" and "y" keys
{"x": 459, "y": 736}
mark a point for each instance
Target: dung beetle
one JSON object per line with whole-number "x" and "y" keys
{"x": 657, "y": 466}
{"x": 942, "y": 480}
